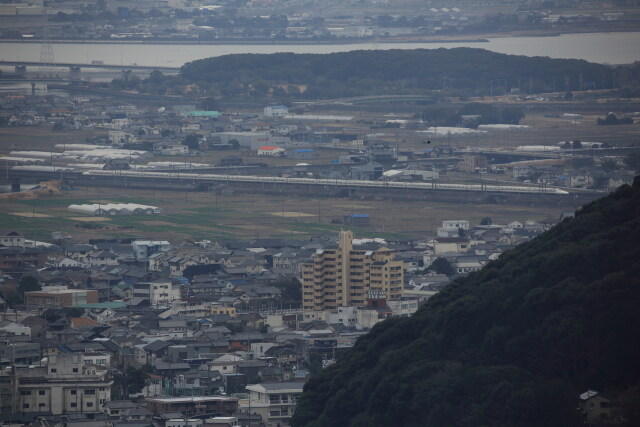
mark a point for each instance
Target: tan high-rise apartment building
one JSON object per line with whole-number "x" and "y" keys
{"x": 343, "y": 275}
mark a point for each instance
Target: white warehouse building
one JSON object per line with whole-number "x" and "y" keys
{"x": 252, "y": 140}
{"x": 109, "y": 209}
{"x": 276, "y": 111}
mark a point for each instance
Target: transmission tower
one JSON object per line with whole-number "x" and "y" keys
{"x": 46, "y": 55}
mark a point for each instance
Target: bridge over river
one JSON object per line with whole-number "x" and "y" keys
{"x": 97, "y": 65}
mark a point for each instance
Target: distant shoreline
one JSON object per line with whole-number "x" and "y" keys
{"x": 605, "y": 48}
{"x": 242, "y": 42}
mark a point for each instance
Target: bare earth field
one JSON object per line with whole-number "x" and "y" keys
{"x": 30, "y": 215}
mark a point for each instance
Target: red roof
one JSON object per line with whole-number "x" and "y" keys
{"x": 268, "y": 147}
{"x": 77, "y": 322}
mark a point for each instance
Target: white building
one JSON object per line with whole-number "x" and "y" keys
{"x": 276, "y": 111}
{"x": 449, "y": 244}
{"x": 252, "y": 140}
{"x": 61, "y": 384}
{"x": 269, "y": 150}
{"x": 181, "y": 422}
{"x": 64, "y": 262}
{"x": 15, "y": 329}
{"x": 348, "y": 316}
{"x": 97, "y": 358}
{"x": 171, "y": 149}
{"x": 142, "y": 249}
{"x": 12, "y": 238}
{"x": 452, "y": 228}
{"x": 467, "y": 265}
{"x": 275, "y": 402}
{"x": 158, "y": 293}
{"x": 188, "y": 308}
{"x": 221, "y": 422}
{"x": 118, "y": 137}
{"x": 103, "y": 258}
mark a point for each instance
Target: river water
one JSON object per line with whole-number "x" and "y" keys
{"x": 606, "y": 48}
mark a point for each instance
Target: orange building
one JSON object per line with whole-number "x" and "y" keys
{"x": 60, "y": 296}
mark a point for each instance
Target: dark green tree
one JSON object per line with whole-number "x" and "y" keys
{"x": 210, "y": 104}
{"x": 135, "y": 380}
{"x": 486, "y": 221}
{"x": 632, "y": 160}
{"x": 291, "y": 291}
{"x": 260, "y": 89}
{"x": 511, "y": 115}
{"x": 442, "y": 266}
{"x": 315, "y": 363}
{"x": 609, "y": 165}
{"x": 487, "y": 112}
{"x": 192, "y": 141}
{"x": 27, "y": 284}
{"x": 73, "y": 311}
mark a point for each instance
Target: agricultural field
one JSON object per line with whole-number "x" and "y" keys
{"x": 196, "y": 216}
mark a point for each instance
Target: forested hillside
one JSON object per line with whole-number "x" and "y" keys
{"x": 511, "y": 345}
{"x": 464, "y": 71}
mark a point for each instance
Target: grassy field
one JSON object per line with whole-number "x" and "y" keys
{"x": 196, "y": 216}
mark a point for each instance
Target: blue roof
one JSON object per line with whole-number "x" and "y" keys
{"x": 304, "y": 150}
{"x": 359, "y": 215}
{"x": 204, "y": 114}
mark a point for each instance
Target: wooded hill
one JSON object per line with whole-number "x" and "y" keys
{"x": 465, "y": 71}
{"x": 511, "y": 345}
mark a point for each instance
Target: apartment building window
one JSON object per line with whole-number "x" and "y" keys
{"x": 42, "y": 405}
{"x": 54, "y": 370}
{"x": 89, "y": 404}
{"x": 41, "y": 392}
{"x": 74, "y": 392}
{"x": 25, "y": 406}
{"x": 90, "y": 391}
{"x": 75, "y": 370}
{"x": 25, "y": 393}
{"x": 73, "y": 405}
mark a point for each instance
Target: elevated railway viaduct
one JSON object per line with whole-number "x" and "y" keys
{"x": 252, "y": 184}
